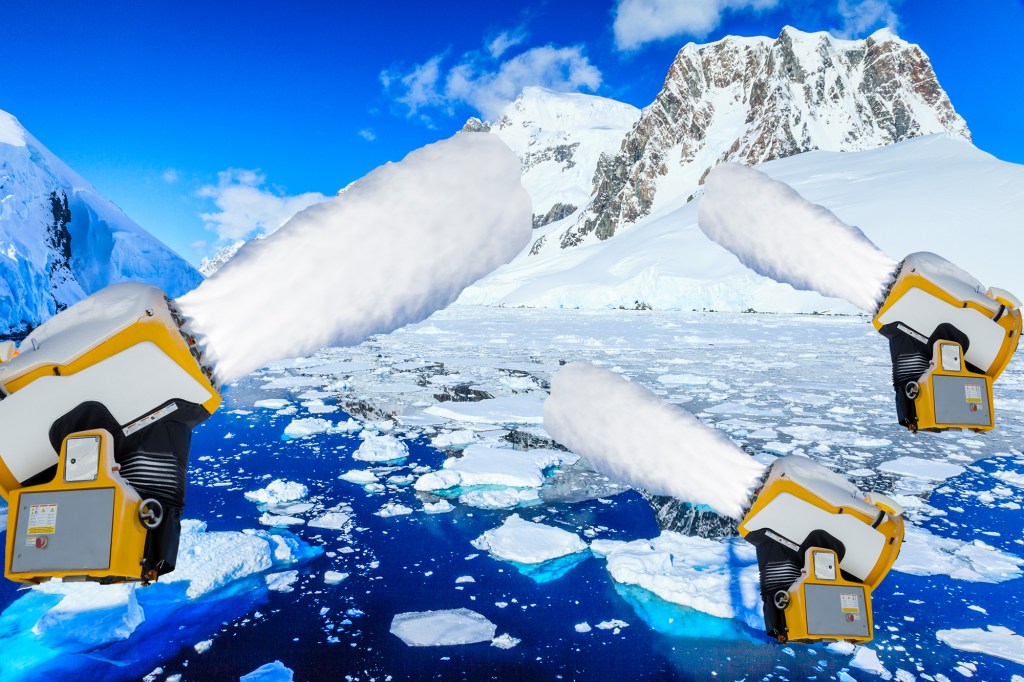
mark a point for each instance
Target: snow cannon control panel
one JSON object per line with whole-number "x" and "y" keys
{"x": 96, "y": 415}
{"x": 949, "y": 340}
{"x": 822, "y": 548}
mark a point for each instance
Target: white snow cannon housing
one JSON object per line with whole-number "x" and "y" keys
{"x": 822, "y": 547}
{"x": 949, "y": 339}
{"x": 96, "y": 417}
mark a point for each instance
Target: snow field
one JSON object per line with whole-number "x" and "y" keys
{"x": 463, "y": 212}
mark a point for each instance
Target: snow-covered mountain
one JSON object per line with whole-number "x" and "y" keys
{"x": 936, "y": 193}
{"x": 754, "y": 100}
{"x": 559, "y": 138}
{"x": 757, "y": 99}
{"x": 60, "y": 240}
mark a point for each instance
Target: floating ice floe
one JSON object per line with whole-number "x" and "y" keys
{"x": 499, "y": 498}
{"x": 439, "y": 507}
{"x": 393, "y": 509}
{"x": 282, "y": 582}
{"x": 269, "y": 672}
{"x": 483, "y": 465}
{"x": 278, "y": 492}
{"x": 525, "y": 542}
{"x": 714, "y": 577}
{"x": 924, "y": 553}
{"x": 921, "y": 468}
{"x": 505, "y": 641}
{"x": 442, "y": 628}
{"x": 866, "y": 659}
{"x": 380, "y": 448}
{"x": 516, "y": 409}
{"x": 272, "y": 403}
{"x": 995, "y": 641}
{"x": 62, "y": 628}
{"x": 307, "y": 426}
{"x": 334, "y": 577}
{"x": 453, "y": 439}
{"x": 278, "y": 521}
{"x": 334, "y": 520}
{"x": 87, "y": 615}
{"x": 360, "y": 476}
{"x": 203, "y": 646}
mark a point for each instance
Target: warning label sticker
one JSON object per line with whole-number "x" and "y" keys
{"x": 972, "y": 392}
{"x": 850, "y": 603}
{"x": 42, "y": 519}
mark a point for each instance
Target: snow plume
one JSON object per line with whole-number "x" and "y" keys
{"x": 401, "y": 243}
{"x": 778, "y": 234}
{"x": 632, "y": 436}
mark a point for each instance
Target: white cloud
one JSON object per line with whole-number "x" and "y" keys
{"x": 638, "y": 22}
{"x": 246, "y": 206}
{"x": 565, "y": 69}
{"x": 367, "y": 134}
{"x": 487, "y": 83}
{"x": 862, "y": 16}
{"x": 170, "y": 176}
{"x": 419, "y": 86}
{"x": 505, "y": 40}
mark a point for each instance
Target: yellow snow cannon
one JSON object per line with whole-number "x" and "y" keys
{"x": 96, "y": 418}
{"x": 949, "y": 339}
{"x": 822, "y": 546}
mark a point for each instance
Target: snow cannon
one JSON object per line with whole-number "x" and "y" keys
{"x": 822, "y": 548}
{"x": 96, "y": 418}
{"x": 949, "y": 339}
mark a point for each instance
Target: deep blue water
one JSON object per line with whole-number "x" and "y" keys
{"x": 410, "y": 563}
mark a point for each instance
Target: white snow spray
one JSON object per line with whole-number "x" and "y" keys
{"x": 396, "y": 246}
{"x": 778, "y": 234}
{"x": 632, "y": 436}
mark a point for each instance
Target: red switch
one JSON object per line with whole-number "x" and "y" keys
{"x": 41, "y": 542}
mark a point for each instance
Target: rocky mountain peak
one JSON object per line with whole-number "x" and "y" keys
{"x": 756, "y": 99}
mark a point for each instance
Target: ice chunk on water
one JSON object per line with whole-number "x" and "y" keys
{"x": 453, "y": 439}
{"x": 279, "y": 521}
{"x": 778, "y": 234}
{"x": 526, "y": 542}
{"x": 582, "y": 627}
{"x": 307, "y": 426}
{"x": 500, "y": 498}
{"x": 204, "y": 646}
{"x": 921, "y": 468}
{"x": 380, "y": 448}
{"x": 282, "y": 582}
{"x": 717, "y": 578}
{"x": 360, "y": 476}
{"x": 866, "y": 659}
{"x": 270, "y": 672}
{"x": 334, "y": 577}
{"x": 278, "y": 492}
{"x": 440, "y": 628}
{"x": 272, "y": 403}
{"x": 924, "y": 553}
{"x": 631, "y": 435}
{"x": 334, "y": 520}
{"x": 88, "y": 615}
{"x": 505, "y": 641}
{"x": 439, "y": 507}
{"x": 995, "y": 641}
{"x": 515, "y": 409}
{"x": 393, "y": 509}
{"x": 207, "y": 561}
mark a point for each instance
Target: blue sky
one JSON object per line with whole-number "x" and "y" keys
{"x": 204, "y": 121}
